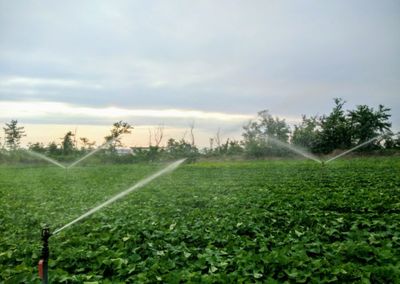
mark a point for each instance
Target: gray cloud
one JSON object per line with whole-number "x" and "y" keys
{"x": 227, "y": 56}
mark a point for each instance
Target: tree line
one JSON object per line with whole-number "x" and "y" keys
{"x": 339, "y": 130}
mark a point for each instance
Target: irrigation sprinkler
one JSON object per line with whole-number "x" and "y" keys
{"x": 46, "y": 234}
{"x": 43, "y": 265}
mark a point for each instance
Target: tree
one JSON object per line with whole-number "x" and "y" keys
{"x": 13, "y": 135}
{"x": 53, "y": 149}
{"x": 158, "y": 135}
{"x": 229, "y": 148}
{"x": 37, "y": 147}
{"x": 234, "y": 147}
{"x": 191, "y": 133}
{"x": 366, "y": 123}
{"x": 256, "y": 133}
{"x": 217, "y": 138}
{"x": 181, "y": 149}
{"x": 392, "y": 141}
{"x": 306, "y": 133}
{"x": 86, "y": 143}
{"x": 67, "y": 144}
{"x": 117, "y": 130}
{"x": 335, "y": 130}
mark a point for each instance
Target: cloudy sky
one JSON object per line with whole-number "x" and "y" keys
{"x": 67, "y": 65}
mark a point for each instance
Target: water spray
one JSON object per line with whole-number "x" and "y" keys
{"x": 41, "y": 156}
{"x": 310, "y": 156}
{"x": 50, "y": 160}
{"x": 91, "y": 153}
{"x": 352, "y": 149}
{"x": 295, "y": 149}
{"x": 46, "y": 234}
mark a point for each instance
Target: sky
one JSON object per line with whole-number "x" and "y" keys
{"x": 82, "y": 65}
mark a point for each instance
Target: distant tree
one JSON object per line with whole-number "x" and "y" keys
{"x": 117, "y": 130}
{"x": 254, "y": 141}
{"x": 256, "y": 133}
{"x": 192, "y": 133}
{"x": 37, "y": 147}
{"x": 211, "y": 141}
{"x": 181, "y": 149}
{"x": 392, "y": 141}
{"x": 366, "y": 123}
{"x": 86, "y": 143}
{"x": 335, "y": 130}
{"x": 153, "y": 153}
{"x": 229, "y": 148}
{"x": 67, "y": 144}
{"x": 217, "y": 138}
{"x": 159, "y": 135}
{"x": 235, "y": 148}
{"x": 13, "y": 135}
{"x": 53, "y": 149}
{"x": 306, "y": 133}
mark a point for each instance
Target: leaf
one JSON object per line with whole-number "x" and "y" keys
{"x": 298, "y": 234}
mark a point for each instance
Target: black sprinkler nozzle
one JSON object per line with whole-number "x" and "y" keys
{"x": 44, "y": 258}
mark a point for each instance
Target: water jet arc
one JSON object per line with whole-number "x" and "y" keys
{"x": 171, "y": 167}
{"x": 352, "y": 149}
{"x": 38, "y": 155}
{"x": 44, "y": 157}
{"x": 294, "y": 149}
{"x": 90, "y": 154}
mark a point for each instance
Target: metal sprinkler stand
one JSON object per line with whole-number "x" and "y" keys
{"x": 43, "y": 264}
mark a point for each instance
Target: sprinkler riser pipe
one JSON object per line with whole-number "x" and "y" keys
{"x": 43, "y": 265}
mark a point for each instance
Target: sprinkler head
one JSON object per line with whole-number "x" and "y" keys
{"x": 45, "y": 239}
{"x": 46, "y": 233}
{"x": 44, "y": 258}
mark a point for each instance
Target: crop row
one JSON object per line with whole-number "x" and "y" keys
{"x": 217, "y": 222}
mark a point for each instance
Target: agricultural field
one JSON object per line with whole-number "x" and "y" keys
{"x": 277, "y": 221}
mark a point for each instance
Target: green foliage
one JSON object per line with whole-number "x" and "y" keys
{"x": 392, "y": 141}
{"x": 151, "y": 153}
{"x": 119, "y": 128}
{"x": 229, "y": 148}
{"x": 344, "y": 130}
{"x": 13, "y": 134}
{"x": 86, "y": 143}
{"x": 67, "y": 144}
{"x": 367, "y": 123}
{"x": 256, "y": 132}
{"x": 335, "y": 130}
{"x": 181, "y": 149}
{"x": 305, "y": 134}
{"x": 209, "y": 222}
{"x": 37, "y": 147}
{"x": 53, "y": 150}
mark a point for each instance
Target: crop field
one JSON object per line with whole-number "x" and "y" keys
{"x": 268, "y": 221}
